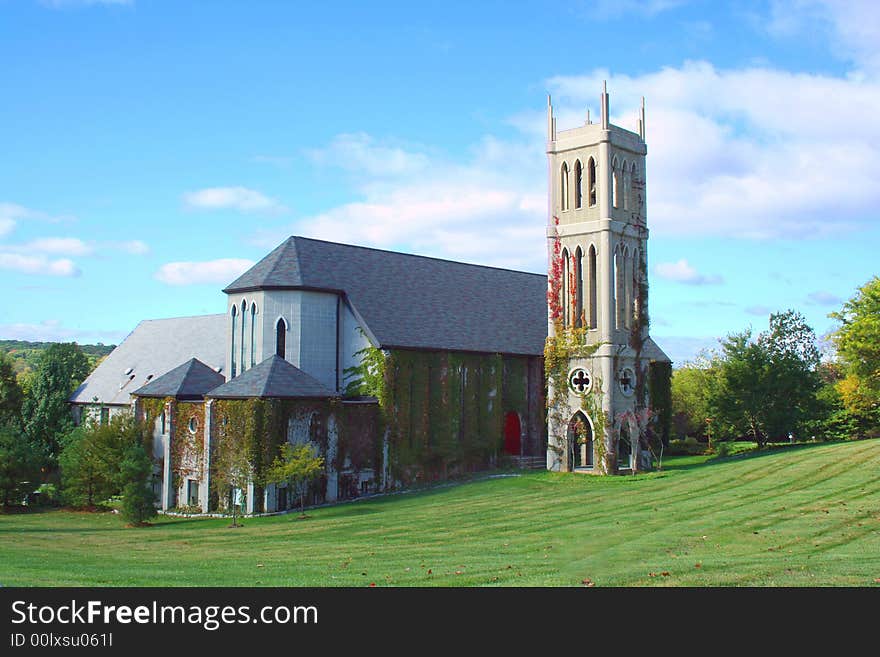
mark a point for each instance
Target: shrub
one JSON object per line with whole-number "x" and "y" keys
{"x": 690, "y": 446}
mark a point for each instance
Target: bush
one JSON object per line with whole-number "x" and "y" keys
{"x": 690, "y": 446}
{"x": 722, "y": 449}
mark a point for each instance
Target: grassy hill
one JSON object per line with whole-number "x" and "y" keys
{"x": 25, "y": 354}
{"x": 799, "y": 516}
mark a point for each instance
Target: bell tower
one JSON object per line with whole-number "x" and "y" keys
{"x": 598, "y": 296}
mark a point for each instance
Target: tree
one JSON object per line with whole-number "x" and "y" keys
{"x": 767, "y": 386}
{"x": 60, "y": 369}
{"x": 137, "y": 497}
{"x": 858, "y": 345}
{"x": 692, "y": 386}
{"x": 297, "y": 466}
{"x": 232, "y": 466}
{"x": 11, "y": 395}
{"x": 793, "y": 378}
{"x": 86, "y": 475}
{"x": 19, "y": 465}
{"x": 92, "y": 455}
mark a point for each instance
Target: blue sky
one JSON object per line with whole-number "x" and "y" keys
{"x": 154, "y": 149}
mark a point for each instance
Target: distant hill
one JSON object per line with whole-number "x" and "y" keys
{"x": 25, "y": 354}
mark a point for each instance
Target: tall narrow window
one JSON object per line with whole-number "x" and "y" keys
{"x": 626, "y": 183}
{"x": 591, "y": 181}
{"x": 615, "y": 184}
{"x": 634, "y": 188}
{"x": 234, "y": 314}
{"x": 253, "y": 334}
{"x": 578, "y": 184}
{"x": 565, "y": 289}
{"x": 579, "y": 290}
{"x": 563, "y": 187}
{"x": 280, "y": 335}
{"x": 627, "y": 287}
{"x": 243, "y": 343}
{"x": 618, "y": 289}
{"x": 591, "y": 267}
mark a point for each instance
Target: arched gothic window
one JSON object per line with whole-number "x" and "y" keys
{"x": 563, "y": 187}
{"x": 565, "y": 291}
{"x": 578, "y": 184}
{"x": 253, "y": 334}
{"x": 591, "y": 181}
{"x": 634, "y": 188}
{"x": 591, "y": 268}
{"x": 243, "y": 342}
{"x": 615, "y": 184}
{"x": 626, "y": 185}
{"x": 579, "y": 290}
{"x": 280, "y": 336}
{"x": 234, "y": 314}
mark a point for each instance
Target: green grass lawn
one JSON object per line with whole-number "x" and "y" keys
{"x": 798, "y": 516}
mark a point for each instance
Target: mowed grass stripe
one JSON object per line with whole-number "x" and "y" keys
{"x": 803, "y": 516}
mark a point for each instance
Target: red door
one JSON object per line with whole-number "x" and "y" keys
{"x": 512, "y": 434}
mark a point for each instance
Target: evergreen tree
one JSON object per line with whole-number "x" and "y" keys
{"x": 19, "y": 465}
{"x": 137, "y": 497}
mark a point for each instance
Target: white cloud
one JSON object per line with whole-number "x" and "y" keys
{"x": 853, "y": 26}
{"x": 53, "y": 330}
{"x": 71, "y": 246}
{"x": 823, "y": 298}
{"x": 231, "y": 198}
{"x": 756, "y": 153}
{"x": 361, "y": 153}
{"x": 132, "y": 247}
{"x": 38, "y": 264}
{"x": 682, "y": 272}
{"x": 488, "y": 209}
{"x": 223, "y": 270}
{"x": 759, "y": 311}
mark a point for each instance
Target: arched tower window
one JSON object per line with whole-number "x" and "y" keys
{"x": 565, "y": 291}
{"x": 591, "y": 269}
{"x": 243, "y": 343}
{"x": 618, "y": 288}
{"x": 563, "y": 187}
{"x": 253, "y": 334}
{"x": 579, "y": 290}
{"x": 591, "y": 181}
{"x": 280, "y": 336}
{"x": 637, "y": 288}
{"x": 578, "y": 184}
{"x": 628, "y": 288}
{"x": 634, "y": 188}
{"x": 234, "y": 314}
{"x": 626, "y": 182}
{"x": 615, "y": 184}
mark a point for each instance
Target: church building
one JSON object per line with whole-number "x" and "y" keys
{"x": 401, "y": 369}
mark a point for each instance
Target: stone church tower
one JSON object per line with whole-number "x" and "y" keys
{"x": 598, "y": 297}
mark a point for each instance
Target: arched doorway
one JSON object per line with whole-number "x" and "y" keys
{"x": 512, "y": 434}
{"x": 580, "y": 442}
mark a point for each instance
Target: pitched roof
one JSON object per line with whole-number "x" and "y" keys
{"x": 415, "y": 301}
{"x": 273, "y": 378}
{"x": 189, "y": 381}
{"x": 153, "y": 348}
{"x": 652, "y": 351}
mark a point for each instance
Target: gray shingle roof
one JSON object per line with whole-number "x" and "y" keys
{"x": 186, "y": 382}
{"x": 153, "y": 348}
{"x": 274, "y": 378}
{"x": 415, "y": 301}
